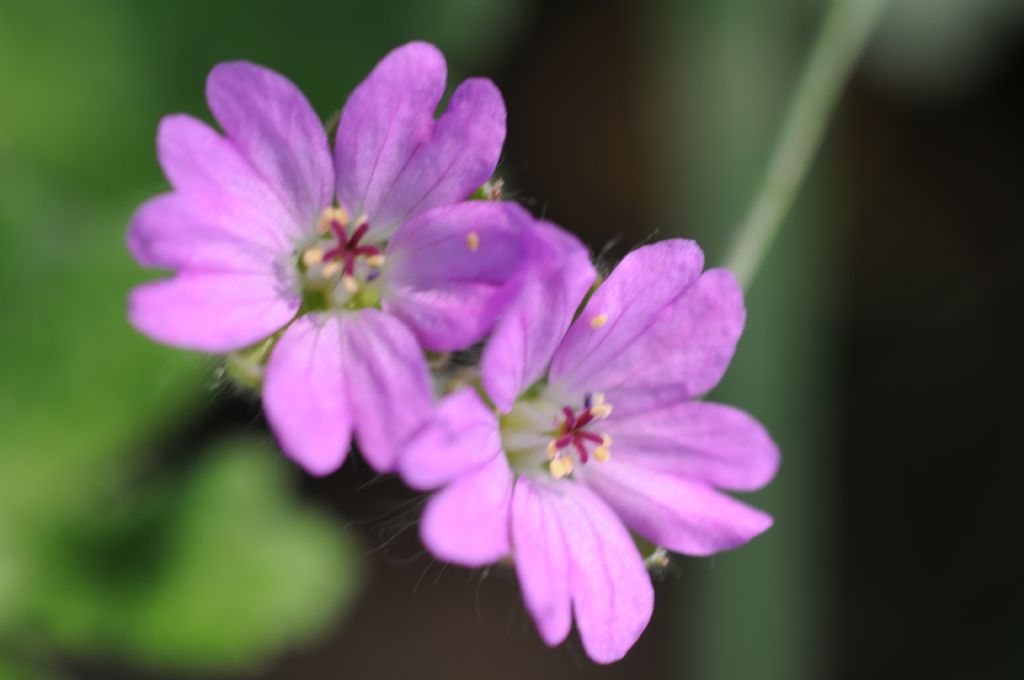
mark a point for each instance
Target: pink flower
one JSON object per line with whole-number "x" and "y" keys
{"x": 598, "y": 432}
{"x": 357, "y": 288}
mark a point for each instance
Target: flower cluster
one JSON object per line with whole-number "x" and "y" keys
{"x": 334, "y": 274}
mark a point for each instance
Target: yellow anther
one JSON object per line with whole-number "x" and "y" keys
{"x": 332, "y": 214}
{"x": 330, "y": 269}
{"x": 312, "y": 257}
{"x": 604, "y": 451}
{"x": 598, "y": 321}
{"x": 472, "y": 241}
{"x": 552, "y": 449}
{"x": 362, "y": 219}
{"x": 375, "y": 261}
{"x": 350, "y": 283}
{"x": 599, "y": 407}
{"x": 560, "y": 467}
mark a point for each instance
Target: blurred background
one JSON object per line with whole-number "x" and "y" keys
{"x": 149, "y": 529}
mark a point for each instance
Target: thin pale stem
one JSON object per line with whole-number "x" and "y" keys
{"x": 844, "y": 31}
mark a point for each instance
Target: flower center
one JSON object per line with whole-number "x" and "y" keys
{"x": 572, "y": 435}
{"x": 537, "y": 433}
{"x": 338, "y": 267}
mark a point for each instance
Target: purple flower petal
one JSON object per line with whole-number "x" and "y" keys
{"x": 621, "y": 310}
{"x": 611, "y": 590}
{"x": 677, "y": 513}
{"x": 174, "y": 231}
{"x": 388, "y": 383}
{"x": 462, "y": 434}
{"x": 272, "y": 124}
{"x": 209, "y": 169}
{"x": 393, "y": 160}
{"x": 694, "y": 339}
{"x": 520, "y": 349}
{"x": 304, "y": 394}
{"x": 541, "y": 561}
{"x": 385, "y": 119}
{"x": 460, "y": 155}
{"x": 447, "y": 271}
{"x": 711, "y": 443}
{"x": 468, "y": 522}
{"x": 211, "y": 311}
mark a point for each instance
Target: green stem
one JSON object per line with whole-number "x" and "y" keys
{"x": 841, "y": 38}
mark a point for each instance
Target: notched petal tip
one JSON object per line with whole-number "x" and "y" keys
{"x": 417, "y": 51}
{"x": 230, "y": 69}
{"x": 321, "y": 467}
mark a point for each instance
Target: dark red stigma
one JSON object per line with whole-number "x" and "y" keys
{"x": 348, "y": 248}
{"x": 571, "y": 431}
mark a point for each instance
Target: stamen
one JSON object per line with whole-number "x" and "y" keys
{"x": 343, "y": 257}
{"x": 333, "y": 214}
{"x": 312, "y": 257}
{"x": 472, "y": 241}
{"x": 601, "y": 408}
{"x": 571, "y": 433}
{"x": 598, "y": 321}
{"x": 560, "y": 467}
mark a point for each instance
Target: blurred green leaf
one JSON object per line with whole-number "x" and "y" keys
{"x": 224, "y": 569}
{"x": 11, "y": 669}
{"x": 79, "y": 384}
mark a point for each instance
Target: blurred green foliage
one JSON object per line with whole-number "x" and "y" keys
{"x": 212, "y": 564}
{"x": 221, "y": 569}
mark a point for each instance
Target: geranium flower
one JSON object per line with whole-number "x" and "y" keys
{"x": 356, "y": 288}
{"x": 596, "y": 434}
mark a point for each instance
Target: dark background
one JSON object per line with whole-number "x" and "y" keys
{"x": 882, "y": 349}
